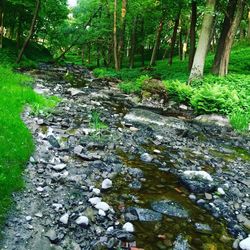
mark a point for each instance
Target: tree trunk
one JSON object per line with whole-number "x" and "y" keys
{"x": 192, "y": 34}
{"x": 248, "y": 31}
{"x": 32, "y": 29}
{"x": 181, "y": 46}
{"x": 19, "y": 32}
{"x": 223, "y": 62}
{"x": 173, "y": 39}
{"x": 116, "y": 59}
{"x": 89, "y": 53}
{"x": 157, "y": 43}
{"x": 1, "y": 26}
{"x": 122, "y": 33}
{"x": 133, "y": 45}
{"x": 83, "y": 55}
{"x": 203, "y": 44}
{"x": 142, "y": 49}
{"x": 98, "y": 57}
{"x": 224, "y": 33}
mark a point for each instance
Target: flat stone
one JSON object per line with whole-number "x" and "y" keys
{"x": 170, "y": 208}
{"x": 102, "y": 206}
{"x": 203, "y": 228}
{"x": 245, "y": 244}
{"x": 95, "y": 200}
{"x": 143, "y": 214}
{"x": 82, "y": 220}
{"x": 51, "y": 234}
{"x": 65, "y": 219}
{"x": 59, "y": 167}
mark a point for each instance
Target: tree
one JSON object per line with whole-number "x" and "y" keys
{"x": 221, "y": 63}
{"x": 116, "y": 59}
{"x": 192, "y": 34}
{"x": 32, "y": 29}
{"x": 248, "y": 32}
{"x": 203, "y": 44}
{"x": 1, "y": 24}
{"x": 227, "y": 23}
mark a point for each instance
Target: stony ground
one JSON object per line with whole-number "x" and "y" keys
{"x": 65, "y": 203}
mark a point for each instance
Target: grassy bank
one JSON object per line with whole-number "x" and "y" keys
{"x": 16, "y": 144}
{"x": 229, "y": 96}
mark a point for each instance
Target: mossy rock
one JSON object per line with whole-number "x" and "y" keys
{"x": 155, "y": 89}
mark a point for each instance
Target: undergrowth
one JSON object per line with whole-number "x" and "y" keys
{"x": 16, "y": 143}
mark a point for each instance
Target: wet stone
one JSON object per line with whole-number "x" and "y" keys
{"x": 170, "y": 208}
{"x": 144, "y": 214}
{"x": 203, "y": 228}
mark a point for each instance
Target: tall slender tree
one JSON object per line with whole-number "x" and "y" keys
{"x": 31, "y": 32}
{"x": 203, "y": 44}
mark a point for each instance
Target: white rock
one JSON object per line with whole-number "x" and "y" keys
{"x": 96, "y": 191}
{"x": 102, "y": 206}
{"x": 109, "y": 229}
{"x": 95, "y": 200}
{"x": 146, "y": 157}
{"x": 245, "y": 244}
{"x": 28, "y": 218}
{"x": 200, "y": 174}
{"x": 78, "y": 149}
{"x": 74, "y": 91}
{"x": 156, "y": 151}
{"x": 59, "y": 167}
{"x": 106, "y": 184}
{"x": 101, "y": 213}
{"x": 82, "y": 220}
{"x": 128, "y": 227}
{"x": 40, "y": 189}
{"x": 65, "y": 219}
{"x": 221, "y": 191}
{"x": 57, "y": 206}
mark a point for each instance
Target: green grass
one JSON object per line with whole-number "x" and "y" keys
{"x": 16, "y": 143}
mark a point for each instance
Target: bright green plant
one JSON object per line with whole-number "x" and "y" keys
{"x": 240, "y": 120}
{"x": 96, "y": 123}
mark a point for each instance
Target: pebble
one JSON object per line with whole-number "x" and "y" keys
{"x": 96, "y": 191}
{"x": 102, "y": 206}
{"x": 146, "y": 157}
{"x": 65, "y": 219}
{"x": 106, "y": 184}
{"x": 82, "y": 220}
{"x": 208, "y": 196}
{"x": 245, "y": 244}
{"x": 95, "y": 200}
{"x": 221, "y": 191}
{"x": 59, "y": 167}
{"x": 128, "y": 227}
{"x": 101, "y": 213}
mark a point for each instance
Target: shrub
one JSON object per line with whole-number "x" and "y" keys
{"x": 181, "y": 92}
{"x": 214, "y": 99}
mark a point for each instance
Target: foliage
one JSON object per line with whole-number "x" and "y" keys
{"x": 96, "y": 122}
{"x": 134, "y": 86}
{"x": 240, "y": 120}
{"x": 16, "y": 143}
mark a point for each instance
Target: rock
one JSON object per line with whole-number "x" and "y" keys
{"x": 214, "y": 120}
{"x": 128, "y": 227}
{"x": 59, "y": 167}
{"x": 65, "y": 219}
{"x": 102, "y": 206}
{"x": 192, "y": 197}
{"x": 82, "y": 220}
{"x": 208, "y": 196}
{"x": 181, "y": 243}
{"x": 156, "y": 151}
{"x": 96, "y": 191}
{"x": 170, "y": 208}
{"x": 221, "y": 191}
{"x": 78, "y": 150}
{"x": 101, "y": 213}
{"x": 146, "y": 157}
{"x": 51, "y": 234}
{"x": 95, "y": 200}
{"x": 74, "y": 91}
{"x": 28, "y": 218}
{"x": 53, "y": 141}
{"x": 143, "y": 214}
{"x": 106, "y": 184}
{"x": 203, "y": 228}
{"x": 198, "y": 181}
{"x": 245, "y": 244}
{"x": 153, "y": 119}
{"x": 198, "y": 174}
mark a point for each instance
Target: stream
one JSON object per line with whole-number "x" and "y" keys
{"x": 182, "y": 184}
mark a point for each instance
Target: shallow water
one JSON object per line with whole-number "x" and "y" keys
{"x": 162, "y": 185}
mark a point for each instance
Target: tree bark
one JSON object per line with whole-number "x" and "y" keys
{"x": 248, "y": 31}
{"x": 116, "y": 59}
{"x": 89, "y": 53}
{"x": 133, "y": 44}
{"x": 142, "y": 49}
{"x": 229, "y": 15}
{"x": 157, "y": 43}
{"x": 1, "y": 26}
{"x": 223, "y": 61}
{"x": 122, "y": 33}
{"x": 32, "y": 29}
{"x": 181, "y": 46}
{"x": 203, "y": 44}
{"x": 83, "y": 55}
{"x": 173, "y": 39}
{"x": 192, "y": 34}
